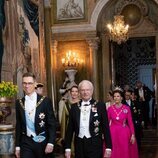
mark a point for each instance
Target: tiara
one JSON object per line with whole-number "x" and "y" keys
{"x": 118, "y": 88}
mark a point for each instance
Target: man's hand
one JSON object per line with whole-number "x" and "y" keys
{"x": 17, "y": 153}
{"x": 68, "y": 154}
{"x": 49, "y": 149}
{"x": 107, "y": 153}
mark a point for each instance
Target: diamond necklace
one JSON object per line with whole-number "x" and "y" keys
{"x": 117, "y": 113}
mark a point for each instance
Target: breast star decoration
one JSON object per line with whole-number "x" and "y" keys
{"x": 96, "y": 123}
{"x": 41, "y": 116}
{"x": 42, "y": 123}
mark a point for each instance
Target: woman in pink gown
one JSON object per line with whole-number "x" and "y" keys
{"x": 122, "y": 129}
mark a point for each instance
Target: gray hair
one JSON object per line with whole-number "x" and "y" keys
{"x": 86, "y": 82}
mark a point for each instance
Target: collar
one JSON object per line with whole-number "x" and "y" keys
{"x": 33, "y": 96}
{"x": 128, "y": 100}
{"x": 86, "y": 102}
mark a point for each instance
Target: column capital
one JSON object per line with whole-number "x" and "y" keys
{"x": 93, "y": 42}
{"x": 54, "y": 44}
{"x": 47, "y": 4}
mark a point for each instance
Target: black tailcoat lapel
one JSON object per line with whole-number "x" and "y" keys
{"x": 91, "y": 112}
{"x": 78, "y": 113}
{"x": 23, "y": 110}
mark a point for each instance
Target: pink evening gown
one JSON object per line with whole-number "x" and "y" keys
{"x": 121, "y": 127}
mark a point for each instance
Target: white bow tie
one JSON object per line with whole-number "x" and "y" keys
{"x": 85, "y": 103}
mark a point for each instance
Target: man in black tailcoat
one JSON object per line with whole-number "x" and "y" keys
{"x": 35, "y": 122}
{"x": 88, "y": 121}
{"x": 144, "y": 95}
{"x": 131, "y": 101}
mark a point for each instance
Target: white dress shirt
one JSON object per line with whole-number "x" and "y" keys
{"x": 141, "y": 92}
{"x": 30, "y": 107}
{"x": 128, "y": 102}
{"x": 84, "y": 120}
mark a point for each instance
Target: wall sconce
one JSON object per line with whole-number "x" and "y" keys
{"x": 71, "y": 60}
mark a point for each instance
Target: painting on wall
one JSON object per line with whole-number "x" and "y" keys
{"x": 70, "y": 9}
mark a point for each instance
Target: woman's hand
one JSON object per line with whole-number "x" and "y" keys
{"x": 133, "y": 139}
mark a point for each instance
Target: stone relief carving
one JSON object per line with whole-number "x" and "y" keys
{"x": 134, "y": 11}
{"x": 122, "y": 3}
{"x": 70, "y": 10}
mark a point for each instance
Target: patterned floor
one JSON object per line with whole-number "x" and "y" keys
{"x": 149, "y": 147}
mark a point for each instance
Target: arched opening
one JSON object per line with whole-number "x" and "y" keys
{"x": 135, "y": 59}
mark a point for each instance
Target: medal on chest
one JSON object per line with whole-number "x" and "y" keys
{"x": 85, "y": 111}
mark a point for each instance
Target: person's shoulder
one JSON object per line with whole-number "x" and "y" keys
{"x": 146, "y": 87}
{"x": 43, "y": 98}
{"x": 75, "y": 105}
{"x": 126, "y": 107}
{"x": 100, "y": 103}
{"x": 19, "y": 99}
{"x": 110, "y": 107}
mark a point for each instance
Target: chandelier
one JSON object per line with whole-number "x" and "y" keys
{"x": 71, "y": 60}
{"x": 118, "y": 31}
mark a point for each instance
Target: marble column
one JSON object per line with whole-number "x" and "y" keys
{"x": 42, "y": 44}
{"x": 93, "y": 48}
{"x": 107, "y": 68}
{"x": 53, "y": 71}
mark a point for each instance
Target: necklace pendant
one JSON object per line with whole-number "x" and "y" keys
{"x": 117, "y": 118}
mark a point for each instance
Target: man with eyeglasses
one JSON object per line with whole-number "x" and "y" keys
{"x": 35, "y": 122}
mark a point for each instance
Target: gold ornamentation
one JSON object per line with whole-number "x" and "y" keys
{"x": 39, "y": 102}
{"x": 118, "y": 31}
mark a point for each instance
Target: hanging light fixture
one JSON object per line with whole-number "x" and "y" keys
{"x": 118, "y": 31}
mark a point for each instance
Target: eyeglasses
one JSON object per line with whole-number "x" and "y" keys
{"x": 27, "y": 83}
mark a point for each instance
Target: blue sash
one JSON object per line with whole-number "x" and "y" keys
{"x": 39, "y": 138}
{"x": 29, "y": 122}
